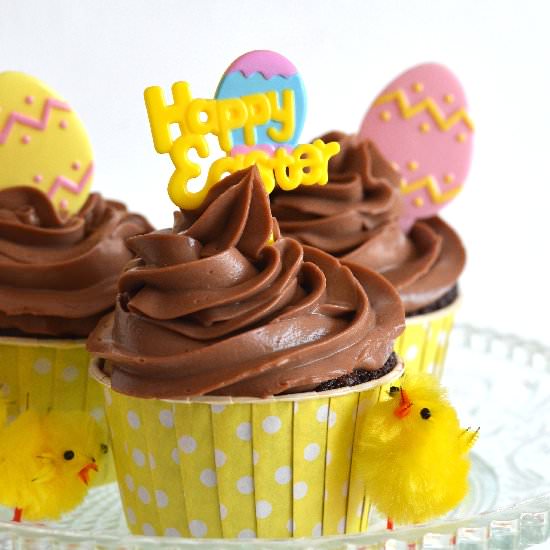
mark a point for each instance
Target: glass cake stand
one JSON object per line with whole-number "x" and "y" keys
{"x": 497, "y": 381}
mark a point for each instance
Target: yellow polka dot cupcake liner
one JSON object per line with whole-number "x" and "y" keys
{"x": 45, "y": 375}
{"x": 219, "y": 467}
{"x": 424, "y": 342}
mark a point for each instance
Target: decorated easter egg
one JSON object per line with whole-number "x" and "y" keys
{"x": 267, "y": 72}
{"x": 420, "y": 123}
{"x": 43, "y": 143}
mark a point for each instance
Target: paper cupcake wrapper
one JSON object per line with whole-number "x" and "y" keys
{"x": 224, "y": 467}
{"x": 423, "y": 345}
{"x": 46, "y": 375}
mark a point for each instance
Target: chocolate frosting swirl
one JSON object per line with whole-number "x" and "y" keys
{"x": 209, "y": 308}
{"x": 355, "y": 217}
{"x": 58, "y": 276}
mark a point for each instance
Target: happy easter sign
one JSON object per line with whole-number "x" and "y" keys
{"x": 257, "y": 116}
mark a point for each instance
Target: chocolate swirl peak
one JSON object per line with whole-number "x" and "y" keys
{"x": 209, "y": 307}
{"x": 58, "y": 276}
{"x": 355, "y": 217}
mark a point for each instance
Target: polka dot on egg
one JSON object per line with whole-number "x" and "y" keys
{"x": 129, "y": 480}
{"x": 42, "y": 366}
{"x": 166, "y": 418}
{"x": 244, "y": 431}
{"x": 331, "y": 419}
{"x": 300, "y": 490}
{"x": 328, "y": 457}
{"x": 162, "y": 498}
{"x": 98, "y": 413}
{"x": 311, "y": 452}
{"x": 143, "y": 495}
{"x": 271, "y": 424}
{"x": 317, "y": 530}
{"x": 411, "y": 353}
{"x": 223, "y": 511}
{"x": 263, "y": 509}
{"x": 70, "y": 373}
{"x": 283, "y": 475}
{"x": 245, "y": 485}
{"x": 133, "y": 420}
{"x": 171, "y": 532}
{"x": 198, "y": 528}
{"x": 148, "y": 530}
{"x": 322, "y": 413}
{"x": 290, "y": 525}
{"x": 247, "y": 534}
{"x": 341, "y": 527}
{"x": 138, "y": 457}
{"x": 217, "y": 409}
{"x": 220, "y": 458}
{"x": 208, "y": 477}
{"x": 131, "y": 516}
{"x": 187, "y": 444}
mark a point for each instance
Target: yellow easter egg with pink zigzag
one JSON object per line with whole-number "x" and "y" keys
{"x": 43, "y": 143}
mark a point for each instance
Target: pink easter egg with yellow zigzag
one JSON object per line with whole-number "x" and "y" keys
{"x": 43, "y": 143}
{"x": 420, "y": 123}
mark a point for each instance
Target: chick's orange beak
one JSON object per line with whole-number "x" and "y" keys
{"x": 84, "y": 474}
{"x": 404, "y": 407}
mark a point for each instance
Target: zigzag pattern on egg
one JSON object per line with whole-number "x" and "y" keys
{"x": 428, "y": 105}
{"x": 433, "y": 188}
{"x": 35, "y": 124}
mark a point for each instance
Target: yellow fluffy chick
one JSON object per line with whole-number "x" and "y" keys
{"x": 46, "y": 462}
{"x": 413, "y": 452}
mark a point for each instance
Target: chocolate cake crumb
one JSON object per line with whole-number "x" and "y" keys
{"x": 359, "y": 376}
{"x": 445, "y": 300}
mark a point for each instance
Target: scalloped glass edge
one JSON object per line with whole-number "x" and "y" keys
{"x": 524, "y": 524}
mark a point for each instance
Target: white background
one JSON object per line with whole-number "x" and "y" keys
{"x": 101, "y": 54}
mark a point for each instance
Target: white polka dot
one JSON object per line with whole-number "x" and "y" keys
{"x": 220, "y": 458}
{"x": 166, "y": 418}
{"x": 442, "y": 338}
{"x": 290, "y": 525}
{"x": 152, "y": 462}
{"x": 175, "y": 455}
{"x": 171, "y": 532}
{"x": 322, "y": 413}
{"x": 311, "y": 452}
{"x": 263, "y": 509}
{"x": 144, "y": 495}
{"x": 97, "y": 414}
{"x": 208, "y": 477}
{"x": 129, "y": 482}
{"x": 187, "y": 444}
{"x": 316, "y": 531}
{"x": 341, "y": 527}
{"x": 162, "y": 498}
{"x": 300, "y": 490}
{"x": 359, "y": 511}
{"x": 247, "y": 534}
{"x": 283, "y": 475}
{"x": 411, "y": 353}
{"x": 245, "y": 485}
{"x": 329, "y": 457}
{"x": 271, "y": 424}
{"x": 244, "y": 431}
{"x": 70, "y": 373}
{"x": 108, "y": 397}
{"x": 133, "y": 420}
{"x": 331, "y": 419}
{"x": 223, "y": 511}
{"x": 42, "y": 365}
{"x": 148, "y": 530}
{"x": 198, "y": 528}
{"x": 131, "y": 516}
{"x": 344, "y": 489}
{"x": 217, "y": 409}
{"x": 255, "y": 457}
{"x": 138, "y": 457}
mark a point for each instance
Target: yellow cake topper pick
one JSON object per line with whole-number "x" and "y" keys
{"x": 259, "y": 128}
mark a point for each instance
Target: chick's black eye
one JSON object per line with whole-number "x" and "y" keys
{"x": 68, "y": 455}
{"x": 104, "y": 448}
{"x": 425, "y": 413}
{"x": 394, "y": 390}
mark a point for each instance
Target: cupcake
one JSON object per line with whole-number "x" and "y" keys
{"x": 356, "y": 218}
{"x": 237, "y": 365}
{"x": 57, "y": 279}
